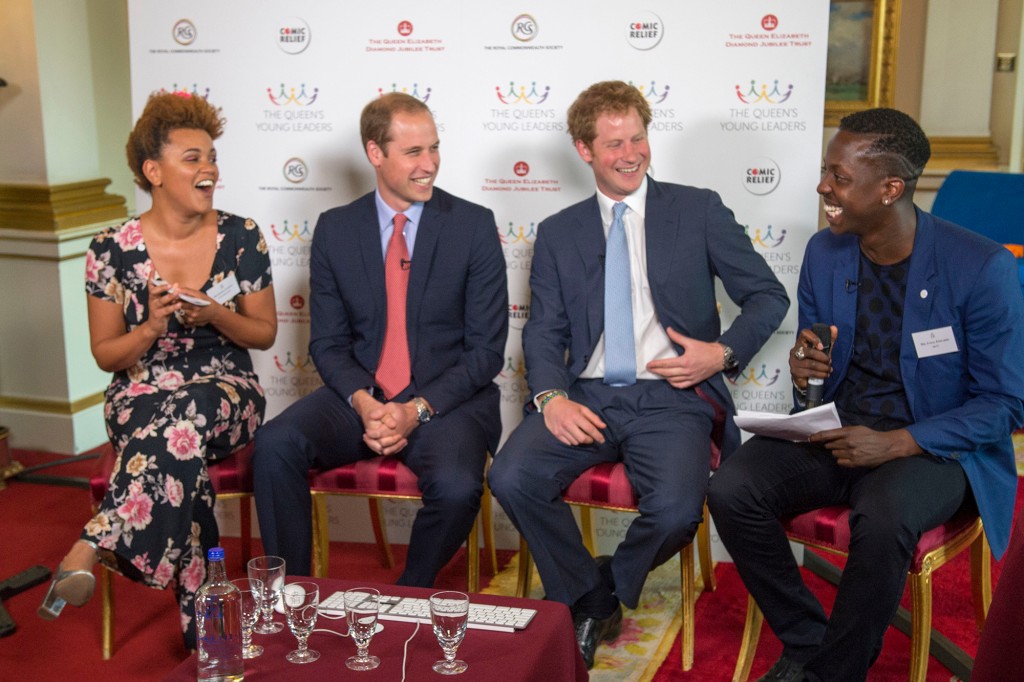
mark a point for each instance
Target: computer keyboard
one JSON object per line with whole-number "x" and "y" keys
{"x": 416, "y": 610}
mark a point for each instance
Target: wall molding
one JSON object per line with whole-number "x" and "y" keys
{"x": 963, "y": 152}
{"x": 42, "y": 405}
{"x": 52, "y": 208}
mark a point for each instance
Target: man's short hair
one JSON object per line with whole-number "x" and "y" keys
{"x": 375, "y": 121}
{"x": 900, "y": 148}
{"x": 601, "y": 98}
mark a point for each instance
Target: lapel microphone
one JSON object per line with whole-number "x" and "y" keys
{"x": 851, "y": 285}
{"x": 815, "y": 386}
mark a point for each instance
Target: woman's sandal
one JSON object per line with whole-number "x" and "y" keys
{"x": 67, "y": 587}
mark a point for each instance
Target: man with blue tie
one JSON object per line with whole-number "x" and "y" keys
{"x": 624, "y": 356}
{"x": 409, "y": 315}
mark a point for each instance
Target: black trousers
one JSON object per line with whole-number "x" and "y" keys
{"x": 892, "y": 505}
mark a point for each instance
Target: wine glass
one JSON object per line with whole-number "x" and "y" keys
{"x": 252, "y": 596}
{"x": 301, "y": 602}
{"x": 269, "y": 570}
{"x": 361, "y": 608}
{"x": 449, "y": 613}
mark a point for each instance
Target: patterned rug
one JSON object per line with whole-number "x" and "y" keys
{"x": 647, "y": 631}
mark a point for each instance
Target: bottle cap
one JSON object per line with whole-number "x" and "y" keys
{"x": 215, "y": 554}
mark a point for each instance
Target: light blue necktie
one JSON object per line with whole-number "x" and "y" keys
{"x": 619, "y": 346}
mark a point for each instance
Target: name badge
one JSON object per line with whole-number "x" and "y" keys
{"x": 224, "y": 290}
{"x": 934, "y": 342}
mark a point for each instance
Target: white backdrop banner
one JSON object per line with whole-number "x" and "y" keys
{"x": 736, "y": 88}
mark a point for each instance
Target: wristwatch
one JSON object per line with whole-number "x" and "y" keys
{"x": 422, "y": 411}
{"x": 728, "y": 358}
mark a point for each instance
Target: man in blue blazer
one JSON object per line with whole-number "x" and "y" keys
{"x": 651, "y": 292}
{"x": 926, "y": 372}
{"x": 407, "y": 335}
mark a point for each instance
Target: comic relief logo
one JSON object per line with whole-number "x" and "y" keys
{"x": 405, "y": 28}
{"x": 663, "y": 115}
{"x": 769, "y": 22}
{"x": 762, "y": 177}
{"x": 645, "y": 31}
{"x": 519, "y": 95}
{"x": 524, "y": 28}
{"x": 293, "y": 37}
{"x": 295, "y": 170}
{"x": 518, "y": 314}
{"x": 184, "y": 32}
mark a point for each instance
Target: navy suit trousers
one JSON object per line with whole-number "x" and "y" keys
{"x": 322, "y": 431}
{"x": 661, "y": 434}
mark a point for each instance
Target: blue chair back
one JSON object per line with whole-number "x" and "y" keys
{"x": 985, "y": 202}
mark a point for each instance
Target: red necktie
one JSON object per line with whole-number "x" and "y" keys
{"x": 393, "y": 370}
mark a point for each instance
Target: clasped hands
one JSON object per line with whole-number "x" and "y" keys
{"x": 852, "y": 446}
{"x": 164, "y": 301}
{"x": 573, "y": 423}
{"x": 386, "y": 426}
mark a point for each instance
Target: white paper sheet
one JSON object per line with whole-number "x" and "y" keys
{"x": 795, "y": 427}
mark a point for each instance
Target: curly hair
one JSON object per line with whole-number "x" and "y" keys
{"x": 375, "y": 121}
{"x": 900, "y": 148}
{"x": 600, "y": 98}
{"x": 164, "y": 112}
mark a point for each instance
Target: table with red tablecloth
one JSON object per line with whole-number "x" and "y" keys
{"x": 545, "y": 651}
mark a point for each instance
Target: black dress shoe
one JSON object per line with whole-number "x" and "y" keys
{"x": 784, "y": 670}
{"x": 592, "y": 631}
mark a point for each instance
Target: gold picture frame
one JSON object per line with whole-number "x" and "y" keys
{"x": 860, "y": 71}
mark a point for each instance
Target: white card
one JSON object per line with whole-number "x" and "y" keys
{"x": 935, "y": 342}
{"x": 224, "y": 290}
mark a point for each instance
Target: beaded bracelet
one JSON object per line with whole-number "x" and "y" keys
{"x": 548, "y": 397}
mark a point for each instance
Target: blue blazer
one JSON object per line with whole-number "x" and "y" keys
{"x": 691, "y": 239}
{"x": 965, "y": 404}
{"x": 457, "y": 301}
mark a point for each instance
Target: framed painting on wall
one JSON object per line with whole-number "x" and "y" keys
{"x": 860, "y": 72}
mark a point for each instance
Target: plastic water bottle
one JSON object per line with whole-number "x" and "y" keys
{"x": 219, "y": 624}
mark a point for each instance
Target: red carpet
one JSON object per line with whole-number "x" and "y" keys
{"x": 41, "y": 521}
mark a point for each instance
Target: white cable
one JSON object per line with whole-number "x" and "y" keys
{"x": 405, "y": 648}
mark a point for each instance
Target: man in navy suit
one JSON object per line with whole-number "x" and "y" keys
{"x": 417, "y": 384}
{"x": 926, "y": 372}
{"x": 653, "y": 410}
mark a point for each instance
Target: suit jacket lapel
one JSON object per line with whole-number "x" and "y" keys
{"x": 845, "y": 274}
{"x": 917, "y": 306}
{"x": 428, "y": 232}
{"x": 373, "y": 264}
{"x": 590, "y": 241}
{"x": 661, "y": 231}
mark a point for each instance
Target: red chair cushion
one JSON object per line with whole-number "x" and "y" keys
{"x": 605, "y": 485}
{"x": 829, "y": 527}
{"x": 230, "y": 475}
{"x": 374, "y": 476}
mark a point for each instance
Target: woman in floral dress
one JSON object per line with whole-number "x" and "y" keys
{"x": 175, "y": 299}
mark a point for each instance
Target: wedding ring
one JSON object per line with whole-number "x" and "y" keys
{"x": 799, "y": 354}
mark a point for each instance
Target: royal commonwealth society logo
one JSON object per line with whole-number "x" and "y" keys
{"x": 295, "y": 170}
{"x": 524, "y": 28}
{"x": 184, "y": 32}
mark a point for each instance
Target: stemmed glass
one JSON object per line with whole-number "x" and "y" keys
{"x": 269, "y": 570}
{"x": 301, "y": 601}
{"x": 361, "y": 607}
{"x": 252, "y": 595}
{"x": 449, "y": 613}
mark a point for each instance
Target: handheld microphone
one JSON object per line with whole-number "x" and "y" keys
{"x": 815, "y": 386}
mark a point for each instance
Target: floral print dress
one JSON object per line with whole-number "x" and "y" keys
{"x": 192, "y": 398}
